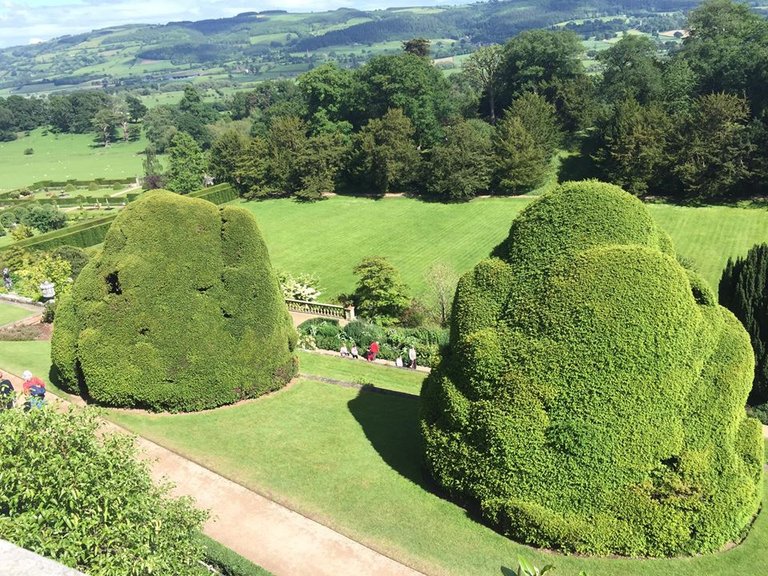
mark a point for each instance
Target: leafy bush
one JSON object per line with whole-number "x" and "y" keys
{"x": 180, "y": 311}
{"x": 84, "y": 499}
{"x": 37, "y": 268}
{"x": 77, "y": 258}
{"x": 49, "y": 312}
{"x": 380, "y": 295}
{"x": 592, "y": 396}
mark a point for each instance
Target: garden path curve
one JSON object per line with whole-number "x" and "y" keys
{"x": 269, "y": 534}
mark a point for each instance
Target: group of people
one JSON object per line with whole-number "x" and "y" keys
{"x": 373, "y": 351}
{"x": 33, "y": 388}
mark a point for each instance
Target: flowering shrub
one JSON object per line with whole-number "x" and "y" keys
{"x": 302, "y": 287}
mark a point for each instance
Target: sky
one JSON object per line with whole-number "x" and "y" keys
{"x": 29, "y": 21}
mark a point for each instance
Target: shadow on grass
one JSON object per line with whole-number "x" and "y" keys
{"x": 391, "y": 424}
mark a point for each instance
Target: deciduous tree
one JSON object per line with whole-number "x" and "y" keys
{"x": 380, "y": 295}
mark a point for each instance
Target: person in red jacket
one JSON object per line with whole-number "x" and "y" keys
{"x": 372, "y": 351}
{"x": 31, "y": 381}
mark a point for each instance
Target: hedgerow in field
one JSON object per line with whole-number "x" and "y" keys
{"x": 592, "y": 397}
{"x": 180, "y": 311}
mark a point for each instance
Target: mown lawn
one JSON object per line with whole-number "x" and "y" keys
{"x": 11, "y": 313}
{"x": 360, "y": 372}
{"x": 352, "y": 460}
{"x": 66, "y": 156}
{"x": 35, "y": 356}
{"x": 329, "y": 238}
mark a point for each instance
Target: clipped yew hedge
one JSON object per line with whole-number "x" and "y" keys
{"x": 181, "y": 311}
{"x": 592, "y": 395}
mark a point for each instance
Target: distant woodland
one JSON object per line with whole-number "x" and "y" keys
{"x": 686, "y": 123}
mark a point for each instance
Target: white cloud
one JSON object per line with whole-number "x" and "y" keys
{"x": 23, "y": 22}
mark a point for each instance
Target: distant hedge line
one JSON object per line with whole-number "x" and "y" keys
{"x": 93, "y": 232}
{"x": 79, "y": 183}
{"x": 73, "y": 200}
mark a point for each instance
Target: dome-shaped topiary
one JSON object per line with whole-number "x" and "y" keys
{"x": 592, "y": 397}
{"x": 180, "y": 311}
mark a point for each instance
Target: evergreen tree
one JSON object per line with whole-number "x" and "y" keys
{"x": 251, "y": 175}
{"x": 631, "y": 146}
{"x": 224, "y": 154}
{"x": 712, "y": 147}
{"x": 520, "y": 161}
{"x": 744, "y": 291}
{"x": 389, "y": 159}
{"x": 462, "y": 166}
{"x": 186, "y": 164}
{"x": 539, "y": 118}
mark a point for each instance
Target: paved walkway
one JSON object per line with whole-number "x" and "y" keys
{"x": 269, "y": 534}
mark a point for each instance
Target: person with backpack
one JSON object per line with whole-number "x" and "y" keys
{"x": 34, "y": 389}
{"x": 30, "y": 381}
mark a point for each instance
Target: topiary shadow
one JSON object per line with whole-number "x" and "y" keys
{"x": 390, "y": 422}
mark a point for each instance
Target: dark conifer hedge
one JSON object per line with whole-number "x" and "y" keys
{"x": 181, "y": 311}
{"x": 744, "y": 291}
{"x": 592, "y": 396}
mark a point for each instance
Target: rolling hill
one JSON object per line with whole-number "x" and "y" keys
{"x": 260, "y": 45}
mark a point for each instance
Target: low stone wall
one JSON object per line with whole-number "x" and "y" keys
{"x": 15, "y": 561}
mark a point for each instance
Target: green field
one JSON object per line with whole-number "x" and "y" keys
{"x": 329, "y": 238}
{"x": 11, "y": 313}
{"x": 66, "y": 156}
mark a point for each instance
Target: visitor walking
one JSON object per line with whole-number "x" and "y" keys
{"x": 399, "y": 361}
{"x": 34, "y": 389}
{"x": 373, "y": 350}
{"x": 412, "y": 357}
{"x": 7, "y": 279}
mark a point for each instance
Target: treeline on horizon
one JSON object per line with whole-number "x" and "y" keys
{"x": 689, "y": 124}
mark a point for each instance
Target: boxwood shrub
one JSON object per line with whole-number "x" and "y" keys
{"x": 592, "y": 395}
{"x": 180, "y": 311}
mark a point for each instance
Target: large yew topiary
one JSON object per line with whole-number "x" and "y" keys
{"x": 180, "y": 311}
{"x": 592, "y": 397}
